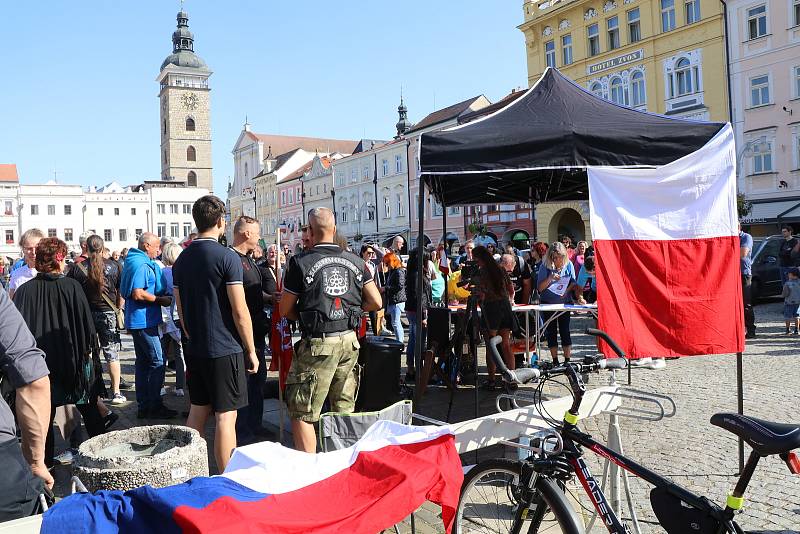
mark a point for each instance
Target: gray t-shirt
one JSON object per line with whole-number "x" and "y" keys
{"x": 21, "y": 362}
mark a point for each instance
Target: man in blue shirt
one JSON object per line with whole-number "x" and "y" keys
{"x": 746, "y": 266}
{"x": 142, "y": 287}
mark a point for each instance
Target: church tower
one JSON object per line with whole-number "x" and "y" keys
{"x": 185, "y": 112}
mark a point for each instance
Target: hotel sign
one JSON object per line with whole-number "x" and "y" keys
{"x": 615, "y": 62}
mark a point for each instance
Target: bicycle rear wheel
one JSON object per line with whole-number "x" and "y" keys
{"x": 491, "y": 497}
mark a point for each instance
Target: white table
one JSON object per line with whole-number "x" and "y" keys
{"x": 559, "y": 310}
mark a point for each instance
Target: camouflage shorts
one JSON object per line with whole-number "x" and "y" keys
{"x": 323, "y": 368}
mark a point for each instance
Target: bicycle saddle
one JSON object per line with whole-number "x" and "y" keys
{"x": 765, "y": 437}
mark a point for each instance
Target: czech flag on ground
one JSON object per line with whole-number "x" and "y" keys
{"x": 667, "y": 244}
{"x": 365, "y": 488}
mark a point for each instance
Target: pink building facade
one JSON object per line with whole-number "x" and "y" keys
{"x": 290, "y": 204}
{"x": 764, "y": 48}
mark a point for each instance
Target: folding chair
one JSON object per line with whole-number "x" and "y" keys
{"x": 341, "y": 430}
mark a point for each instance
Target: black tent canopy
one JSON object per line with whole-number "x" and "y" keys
{"x": 537, "y": 148}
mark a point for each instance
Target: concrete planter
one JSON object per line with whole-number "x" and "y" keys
{"x": 159, "y": 456}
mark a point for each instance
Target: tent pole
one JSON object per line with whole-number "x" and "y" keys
{"x": 444, "y": 242}
{"x": 420, "y": 288}
{"x": 740, "y": 404}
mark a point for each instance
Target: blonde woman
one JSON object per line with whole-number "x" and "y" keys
{"x": 556, "y": 281}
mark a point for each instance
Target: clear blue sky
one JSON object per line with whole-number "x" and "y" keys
{"x": 78, "y": 91}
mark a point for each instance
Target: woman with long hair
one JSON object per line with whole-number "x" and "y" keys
{"x": 395, "y": 293}
{"x": 170, "y": 328}
{"x": 100, "y": 278}
{"x": 416, "y": 305}
{"x": 496, "y": 293}
{"x": 556, "y": 281}
{"x": 58, "y": 315}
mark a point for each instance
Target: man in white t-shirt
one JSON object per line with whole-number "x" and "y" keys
{"x": 29, "y": 240}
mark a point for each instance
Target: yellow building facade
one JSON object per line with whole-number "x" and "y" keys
{"x": 661, "y": 56}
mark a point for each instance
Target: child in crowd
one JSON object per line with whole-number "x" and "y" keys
{"x": 791, "y": 299}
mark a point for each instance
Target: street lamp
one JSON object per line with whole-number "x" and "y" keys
{"x": 754, "y": 145}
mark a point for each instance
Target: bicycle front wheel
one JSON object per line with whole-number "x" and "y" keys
{"x": 491, "y": 498}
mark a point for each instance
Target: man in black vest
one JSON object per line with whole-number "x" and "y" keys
{"x": 327, "y": 289}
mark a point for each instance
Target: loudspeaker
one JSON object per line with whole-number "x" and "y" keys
{"x": 379, "y": 358}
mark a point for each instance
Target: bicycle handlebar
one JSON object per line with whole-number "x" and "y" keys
{"x": 611, "y": 343}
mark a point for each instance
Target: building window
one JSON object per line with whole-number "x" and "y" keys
{"x": 106, "y": 235}
{"x": 796, "y": 13}
{"x": 366, "y": 173}
{"x": 9, "y": 237}
{"x": 51, "y": 232}
{"x": 456, "y": 210}
{"x": 550, "y": 53}
{"x": 399, "y": 199}
{"x": 34, "y": 209}
{"x": 385, "y": 166}
{"x": 667, "y": 15}
{"x": 597, "y": 89}
{"x": 612, "y": 25}
{"x": 757, "y": 22}
{"x": 51, "y": 209}
{"x": 638, "y": 90}
{"x": 759, "y": 91}
{"x": 387, "y": 210}
{"x": 593, "y": 32}
{"x": 283, "y": 198}
{"x": 437, "y": 208}
{"x": 189, "y": 124}
{"x": 762, "y": 158}
{"x": 67, "y": 234}
{"x": 683, "y": 77}
{"x": 191, "y": 154}
{"x": 692, "y": 11}
{"x": 343, "y": 215}
{"x": 191, "y": 179}
{"x": 161, "y": 229}
{"x": 398, "y": 164}
{"x": 291, "y": 196}
{"x": 161, "y": 208}
{"x": 618, "y": 92}
{"x": 133, "y": 211}
{"x": 187, "y": 229}
{"x": 173, "y": 209}
{"x": 634, "y": 26}
{"x": 353, "y": 175}
{"x": 9, "y": 208}
{"x": 187, "y": 209}
{"x": 116, "y": 211}
{"x": 99, "y": 211}
{"x": 67, "y": 209}
{"x": 123, "y": 235}
{"x": 174, "y": 228}
{"x": 138, "y": 233}
{"x": 566, "y": 49}
{"x": 164, "y": 130}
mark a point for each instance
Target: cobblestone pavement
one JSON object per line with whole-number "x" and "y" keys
{"x": 686, "y": 447}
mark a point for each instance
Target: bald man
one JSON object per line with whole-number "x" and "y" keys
{"x": 327, "y": 289}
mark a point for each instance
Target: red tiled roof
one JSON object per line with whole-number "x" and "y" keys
{"x": 8, "y": 172}
{"x": 299, "y": 173}
{"x": 280, "y": 144}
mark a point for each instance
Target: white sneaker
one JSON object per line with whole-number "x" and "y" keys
{"x": 163, "y": 391}
{"x": 118, "y": 398}
{"x": 658, "y": 363}
{"x": 66, "y": 457}
{"x": 641, "y": 362}
{"x": 179, "y": 392}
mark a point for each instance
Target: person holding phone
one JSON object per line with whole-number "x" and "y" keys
{"x": 556, "y": 281}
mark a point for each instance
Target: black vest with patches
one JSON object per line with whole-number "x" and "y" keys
{"x": 331, "y": 297}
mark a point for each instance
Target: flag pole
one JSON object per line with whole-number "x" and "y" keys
{"x": 740, "y": 405}
{"x": 280, "y": 363}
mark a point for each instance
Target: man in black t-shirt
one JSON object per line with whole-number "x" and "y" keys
{"x": 788, "y": 244}
{"x": 246, "y": 233}
{"x": 520, "y": 277}
{"x": 215, "y": 319}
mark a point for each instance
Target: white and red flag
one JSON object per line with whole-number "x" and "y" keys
{"x": 667, "y": 244}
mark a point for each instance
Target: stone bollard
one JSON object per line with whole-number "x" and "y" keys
{"x": 159, "y": 456}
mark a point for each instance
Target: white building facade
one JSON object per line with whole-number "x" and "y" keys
{"x": 55, "y": 209}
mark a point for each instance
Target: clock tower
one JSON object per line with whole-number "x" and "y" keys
{"x": 185, "y": 125}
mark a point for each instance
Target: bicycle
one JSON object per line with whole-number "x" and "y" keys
{"x": 502, "y": 495}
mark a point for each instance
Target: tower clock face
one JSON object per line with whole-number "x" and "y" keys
{"x": 190, "y": 101}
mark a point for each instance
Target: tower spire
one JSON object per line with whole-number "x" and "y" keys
{"x": 403, "y": 125}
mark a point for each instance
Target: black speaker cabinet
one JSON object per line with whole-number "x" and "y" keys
{"x": 380, "y": 359}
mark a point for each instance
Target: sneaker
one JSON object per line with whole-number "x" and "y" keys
{"x": 109, "y": 420}
{"x": 641, "y": 362}
{"x": 124, "y": 384}
{"x": 66, "y": 457}
{"x": 163, "y": 391}
{"x": 118, "y": 398}
{"x": 162, "y": 412}
{"x": 658, "y": 363}
{"x": 179, "y": 392}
